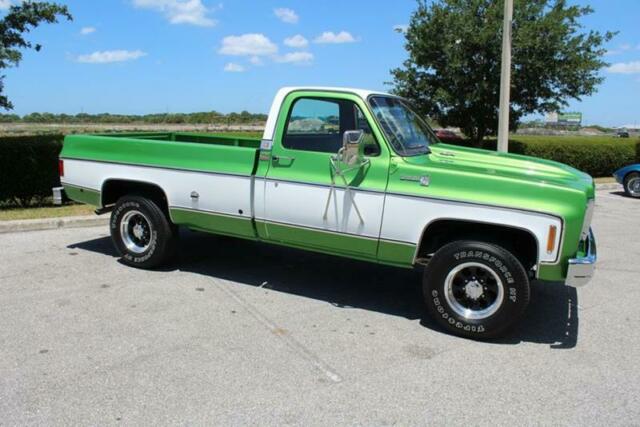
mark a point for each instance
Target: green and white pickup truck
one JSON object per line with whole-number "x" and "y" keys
{"x": 357, "y": 174}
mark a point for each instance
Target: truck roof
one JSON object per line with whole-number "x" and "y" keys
{"x": 363, "y": 93}
{"x": 270, "y": 126}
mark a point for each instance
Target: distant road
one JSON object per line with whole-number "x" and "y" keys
{"x": 31, "y": 128}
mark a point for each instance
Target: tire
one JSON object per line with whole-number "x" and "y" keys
{"x": 141, "y": 233}
{"x": 632, "y": 184}
{"x": 475, "y": 290}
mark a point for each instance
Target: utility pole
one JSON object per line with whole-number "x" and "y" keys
{"x": 505, "y": 79}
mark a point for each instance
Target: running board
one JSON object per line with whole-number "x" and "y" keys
{"x": 101, "y": 211}
{"x": 423, "y": 261}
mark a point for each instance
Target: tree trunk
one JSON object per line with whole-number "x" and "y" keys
{"x": 476, "y": 136}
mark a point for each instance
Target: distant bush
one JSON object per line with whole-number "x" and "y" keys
{"x": 596, "y": 159}
{"x": 597, "y": 156}
{"x": 28, "y": 168}
{"x": 205, "y": 117}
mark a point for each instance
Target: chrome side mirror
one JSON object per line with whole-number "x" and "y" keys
{"x": 349, "y": 158}
{"x": 352, "y": 151}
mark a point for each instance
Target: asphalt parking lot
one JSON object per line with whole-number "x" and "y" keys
{"x": 243, "y": 333}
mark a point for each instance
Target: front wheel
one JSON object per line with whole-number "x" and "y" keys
{"x": 141, "y": 232}
{"x": 632, "y": 184}
{"x": 475, "y": 289}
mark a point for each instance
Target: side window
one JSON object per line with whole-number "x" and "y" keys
{"x": 316, "y": 124}
{"x": 371, "y": 147}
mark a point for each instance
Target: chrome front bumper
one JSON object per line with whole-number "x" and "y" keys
{"x": 581, "y": 269}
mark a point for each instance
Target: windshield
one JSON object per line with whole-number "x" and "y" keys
{"x": 408, "y": 134}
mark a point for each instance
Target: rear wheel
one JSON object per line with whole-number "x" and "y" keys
{"x": 632, "y": 184}
{"x": 141, "y": 232}
{"x": 474, "y": 289}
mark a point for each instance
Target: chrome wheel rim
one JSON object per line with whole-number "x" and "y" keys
{"x": 474, "y": 291}
{"x": 135, "y": 229}
{"x": 634, "y": 186}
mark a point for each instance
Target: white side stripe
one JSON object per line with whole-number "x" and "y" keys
{"x": 405, "y": 219}
{"x": 297, "y": 204}
{"x": 225, "y": 194}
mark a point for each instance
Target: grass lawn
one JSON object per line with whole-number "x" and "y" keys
{"x": 45, "y": 212}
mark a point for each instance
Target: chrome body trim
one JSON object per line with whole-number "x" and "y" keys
{"x": 588, "y": 217}
{"x": 582, "y": 269}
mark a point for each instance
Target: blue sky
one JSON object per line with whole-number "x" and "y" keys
{"x": 146, "y": 56}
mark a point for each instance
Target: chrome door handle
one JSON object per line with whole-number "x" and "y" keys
{"x": 283, "y": 158}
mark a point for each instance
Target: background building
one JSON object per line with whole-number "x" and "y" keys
{"x": 564, "y": 119}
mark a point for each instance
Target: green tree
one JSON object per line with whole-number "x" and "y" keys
{"x": 21, "y": 19}
{"x": 452, "y": 73}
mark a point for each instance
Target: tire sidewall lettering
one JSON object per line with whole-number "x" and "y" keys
{"x": 497, "y": 265}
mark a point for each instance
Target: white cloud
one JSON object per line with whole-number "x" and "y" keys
{"x": 632, "y": 67}
{"x": 5, "y": 4}
{"x": 331, "y": 37}
{"x": 252, "y": 44}
{"x": 296, "y": 41}
{"x": 299, "y": 58}
{"x": 108, "y": 56}
{"x": 192, "y": 12}
{"x": 621, "y": 49}
{"x": 232, "y": 67}
{"x": 400, "y": 28}
{"x": 87, "y": 30}
{"x": 255, "y": 60}
{"x": 286, "y": 15}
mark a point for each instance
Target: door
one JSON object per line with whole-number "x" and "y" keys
{"x": 306, "y": 203}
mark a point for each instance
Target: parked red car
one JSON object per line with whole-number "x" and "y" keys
{"x": 445, "y": 135}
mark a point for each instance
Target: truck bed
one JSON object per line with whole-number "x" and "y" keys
{"x": 191, "y": 151}
{"x": 198, "y": 138}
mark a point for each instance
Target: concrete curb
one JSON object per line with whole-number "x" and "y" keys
{"x": 53, "y": 223}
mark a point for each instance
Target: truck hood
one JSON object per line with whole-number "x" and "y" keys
{"x": 514, "y": 166}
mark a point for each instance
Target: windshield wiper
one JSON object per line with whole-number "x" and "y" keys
{"x": 416, "y": 151}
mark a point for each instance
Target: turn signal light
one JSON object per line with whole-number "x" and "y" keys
{"x": 551, "y": 240}
{"x": 61, "y": 167}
